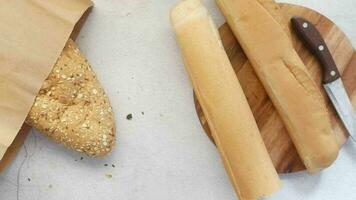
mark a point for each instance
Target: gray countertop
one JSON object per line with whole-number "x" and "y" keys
{"x": 162, "y": 153}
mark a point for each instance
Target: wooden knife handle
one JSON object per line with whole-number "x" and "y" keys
{"x": 314, "y": 41}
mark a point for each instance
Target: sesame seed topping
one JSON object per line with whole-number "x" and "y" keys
{"x": 68, "y": 104}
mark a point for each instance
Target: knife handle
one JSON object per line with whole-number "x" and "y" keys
{"x": 315, "y": 42}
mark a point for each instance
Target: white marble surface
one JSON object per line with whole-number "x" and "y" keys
{"x": 163, "y": 154}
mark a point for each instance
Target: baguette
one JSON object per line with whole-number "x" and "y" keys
{"x": 286, "y": 80}
{"x": 72, "y": 109}
{"x": 224, "y": 104}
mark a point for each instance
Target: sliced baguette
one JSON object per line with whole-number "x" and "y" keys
{"x": 286, "y": 80}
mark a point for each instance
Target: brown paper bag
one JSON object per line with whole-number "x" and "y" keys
{"x": 14, "y": 147}
{"x": 32, "y": 36}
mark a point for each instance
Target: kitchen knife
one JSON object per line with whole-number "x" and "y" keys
{"x": 332, "y": 82}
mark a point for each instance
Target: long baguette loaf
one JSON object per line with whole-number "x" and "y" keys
{"x": 286, "y": 80}
{"x": 224, "y": 104}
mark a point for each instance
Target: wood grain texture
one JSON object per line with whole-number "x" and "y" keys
{"x": 274, "y": 134}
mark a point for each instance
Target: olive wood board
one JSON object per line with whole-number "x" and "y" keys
{"x": 274, "y": 134}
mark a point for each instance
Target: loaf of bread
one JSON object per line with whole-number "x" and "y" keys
{"x": 72, "y": 108}
{"x": 286, "y": 80}
{"x": 223, "y": 102}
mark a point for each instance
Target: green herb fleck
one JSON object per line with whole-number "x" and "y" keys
{"x": 129, "y": 117}
{"x": 108, "y": 175}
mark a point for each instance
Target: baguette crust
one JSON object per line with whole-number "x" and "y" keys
{"x": 72, "y": 109}
{"x": 286, "y": 80}
{"x": 224, "y": 104}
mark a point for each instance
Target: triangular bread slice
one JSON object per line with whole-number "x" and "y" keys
{"x": 72, "y": 108}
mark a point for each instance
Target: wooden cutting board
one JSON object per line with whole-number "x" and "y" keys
{"x": 274, "y": 134}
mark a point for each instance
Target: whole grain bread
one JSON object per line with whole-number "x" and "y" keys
{"x": 72, "y": 109}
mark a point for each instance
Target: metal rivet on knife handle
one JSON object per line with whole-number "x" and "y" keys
{"x": 321, "y": 48}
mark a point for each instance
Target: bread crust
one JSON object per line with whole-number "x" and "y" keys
{"x": 72, "y": 108}
{"x": 223, "y": 102}
{"x": 286, "y": 80}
